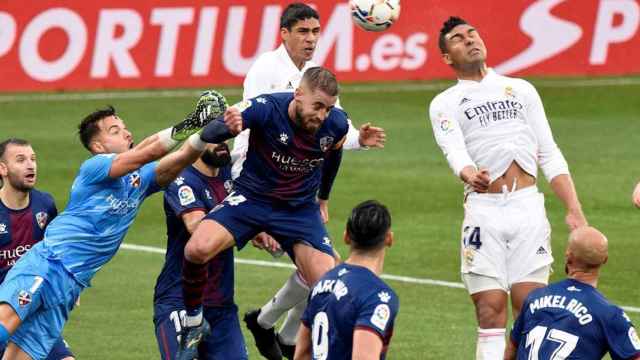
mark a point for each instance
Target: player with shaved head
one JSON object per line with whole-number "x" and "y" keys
{"x": 571, "y": 319}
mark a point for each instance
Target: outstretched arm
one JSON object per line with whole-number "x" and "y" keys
{"x": 210, "y": 105}
{"x": 171, "y": 165}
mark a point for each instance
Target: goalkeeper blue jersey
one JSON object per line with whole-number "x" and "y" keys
{"x": 284, "y": 162}
{"x": 100, "y": 210}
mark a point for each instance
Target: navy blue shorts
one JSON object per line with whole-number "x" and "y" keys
{"x": 60, "y": 351}
{"x": 245, "y": 218}
{"x": 224, "y": 343}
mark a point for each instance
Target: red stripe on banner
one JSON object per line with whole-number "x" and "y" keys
{"x": 72, "y": 45}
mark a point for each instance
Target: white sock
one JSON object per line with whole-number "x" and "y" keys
{"x": 491, "y": 344}
{"x": 289, "y": 329}
{"x": 293, "y": 292}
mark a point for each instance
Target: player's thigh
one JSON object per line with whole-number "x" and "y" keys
{"x": 300, "y": 225}
{"x": 40, "y": 332}
{"x": 226, "y": 341}
{"x": 60, "y": 351}
{"x": 530, "y": 249}
{"x": 14, "y": 352}
{"x": 236, "y": 221}
{"x": 311, "y": 262}
{"x": 534, "y": 280}
{"x": 167, "y": 328}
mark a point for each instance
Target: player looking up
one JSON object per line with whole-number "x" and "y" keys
{"x": 24, "y": 214}
{"x": 351, "y": 311}
{"x": 494, "y": 133}
{"x": 41, "y": 289}
{"x": 571, "y": 319}
{"x": 295, "y": 148}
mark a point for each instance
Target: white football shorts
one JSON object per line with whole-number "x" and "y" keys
{"x": 505, "y": 240}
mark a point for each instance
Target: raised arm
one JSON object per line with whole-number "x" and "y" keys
{"x": 210, "y": 105}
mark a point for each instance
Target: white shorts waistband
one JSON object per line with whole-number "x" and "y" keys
{"x": 502, "y": 197}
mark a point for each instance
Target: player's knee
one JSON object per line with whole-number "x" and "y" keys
{"x": 197, "y": 251}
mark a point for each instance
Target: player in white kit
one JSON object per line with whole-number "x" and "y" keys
{"x": 280, "y": 71}
{"x": 494, "y": 133}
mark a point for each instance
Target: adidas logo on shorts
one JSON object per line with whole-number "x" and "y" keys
{"x": 541, "y": 251}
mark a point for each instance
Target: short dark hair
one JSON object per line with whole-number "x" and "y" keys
{"x": 447, "y": 26}
{"x": 368, "y": 225}
{"x": 11, "y": 141}
{"x": 88, "y": 127}
{"x": 322, "y": 79}
{"x": 297, "y": 12}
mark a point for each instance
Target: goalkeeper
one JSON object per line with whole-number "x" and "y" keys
{"x": 42, "y": 288}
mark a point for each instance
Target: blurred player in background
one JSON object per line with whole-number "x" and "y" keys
{"x": 42, "y": 288}
{"x": 295, "y": 150}
{"x": 571, "y": 319}
{"x": 280, "y": 71}
{"x": 197, "y": 190}
{"x": 635, "y": 197}
{"x": 351, "y": 311}
{"x": 24, "y": 214}
{"x": 494, "y": 133}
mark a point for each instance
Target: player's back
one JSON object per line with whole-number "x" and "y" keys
{"x": 100, "y": 210}
{"x": 284, "y": 163}
{"x": 572, "y": 320}
{"x": 344, "y": 299}
{"x": 21, "y": 229}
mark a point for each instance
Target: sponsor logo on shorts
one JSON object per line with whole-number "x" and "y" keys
{"x": 24, "y": 298}
{"x": 541, "y": 251}
{"x": 381, "y": 316}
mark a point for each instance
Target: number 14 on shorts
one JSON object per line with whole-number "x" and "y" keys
{"x": 471, "y": 237}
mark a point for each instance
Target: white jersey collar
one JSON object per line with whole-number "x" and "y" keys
{"x": 282, "y": 53}
{"x": 490, "y": 74}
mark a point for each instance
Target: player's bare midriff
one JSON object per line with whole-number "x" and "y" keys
{"x": 513, "y": 174}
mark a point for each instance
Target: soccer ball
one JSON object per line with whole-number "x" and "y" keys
{"x": 375, "y": 15}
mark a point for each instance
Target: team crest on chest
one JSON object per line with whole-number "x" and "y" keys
{"x": 3, "y": 228}
{"x": 134, "y": 179}
{"x": 325, "y": 143}
{"x": 41, "y": 219}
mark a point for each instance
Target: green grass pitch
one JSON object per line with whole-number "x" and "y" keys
{"x": 596, "y": 127}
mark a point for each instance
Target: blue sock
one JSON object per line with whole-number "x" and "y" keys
{"x": 4, "y": 337}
